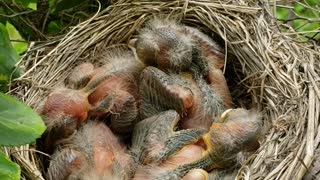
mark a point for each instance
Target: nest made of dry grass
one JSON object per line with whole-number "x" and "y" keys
{"x": 280, "y": 75}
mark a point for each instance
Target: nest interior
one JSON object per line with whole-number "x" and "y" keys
{"x": 265, "y": 69}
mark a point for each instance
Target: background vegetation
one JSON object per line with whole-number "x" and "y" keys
{"x": 302, "y": 16}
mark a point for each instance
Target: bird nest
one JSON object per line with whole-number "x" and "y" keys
{"x": 265, "y": 69}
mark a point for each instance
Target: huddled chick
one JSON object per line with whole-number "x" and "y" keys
{"x": 94, "y": 153}
{"x": 114, "y": 89}
{"x": 107, "y": 91}
{"x": 187, "y": 70}
{"x": 170, "y": 93}
{"x": 156, "y": 144}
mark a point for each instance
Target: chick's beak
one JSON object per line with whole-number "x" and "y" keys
{"x": 132, "y": 43}
{"x": 224, "y": 115}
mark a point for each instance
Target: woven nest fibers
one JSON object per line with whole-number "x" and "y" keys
{"x": 265, "y": 69}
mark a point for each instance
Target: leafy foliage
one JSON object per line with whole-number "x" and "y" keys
{"x": 32, "y": 4}
{"x": 304, "y": 17}
{"x": 14, "y": 35}
{"x": 8, "y": 58}
{"x": 60, "y": 5}
{"x": 8, "y": 169}
{"x": 19, "y": 124}
{"x": 46, "y": 18}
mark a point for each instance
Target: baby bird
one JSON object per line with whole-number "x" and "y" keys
{"x": 157, "y": 46}
{"x": 154, "y": 138}
{"x": 113, "y": 89}
{"x": 169, "y": 45}
{"x": 193, "y": 99}
{"x": 94, "y": 152}
{"x": 237, "y": 129}
{"x": 161, "y": 91}
{"x": 163, "y": 44}
{"x": 110, "y": 89}
{"x": 63, "y": 112}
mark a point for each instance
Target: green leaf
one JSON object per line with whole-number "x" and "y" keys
{"x": 52, "y": 3}
{"x": 54, "y": 27}
{"x": 8, "y": 169}
{"x": 299, "y": 8}
{"x": 282, "y": 13}
{"x": 14, "y": 35}
{"x": 32, "y": 4}
{"x": 313, "y": 3}
{"x": 61, "y": 5}
{"x": 8, "y": 58}
{"x": 19, "y": 124}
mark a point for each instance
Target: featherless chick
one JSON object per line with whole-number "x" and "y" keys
{"x": 92, "y": 153}
{"x": 198, "y": 105}
{"x": 170, "y": 46}
{"x": 163, "y": 44}
{"x": 113, "y": 89}
{"x": 63, "y": 112}
{"x": 236, "y": 131}
{"x": 159, "y": 44}
{"x": 110, "y": 90}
